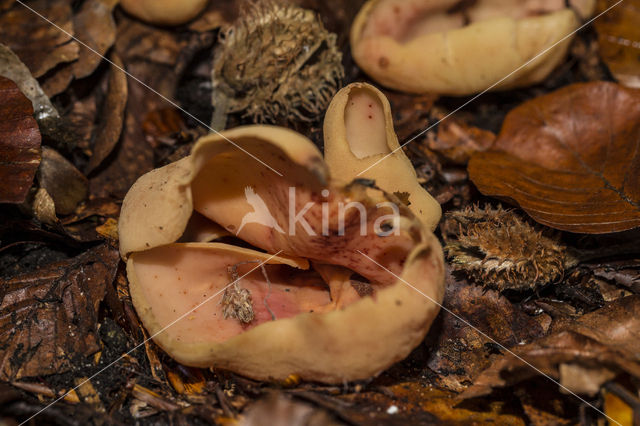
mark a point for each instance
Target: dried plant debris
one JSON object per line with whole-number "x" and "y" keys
{"x": 236, "y": 301}
{"x": 40, "y": 45}
{"x": 64, "y": 183}
{"x": 276, "y": 64}
{"x": 582, "y": 355}
{"x": 12, "y": 68}
{"x": 107, "y": 133}
{"x": 94, "y": 26}
{"x": 19, "y": 143}
{"x": 619, "y": 40}
{"x": 460, "y": 352}
{"x": 569, "y": 158}
{"x": 498, "y": 249}
{"x": 48, "y": 317}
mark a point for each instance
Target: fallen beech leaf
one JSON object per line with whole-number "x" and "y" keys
{"x": 151, "y": 54}
{"x": 619, "y": 39}
{"x": 5, "y": 4}
{"x": 48, "y": 317}
{"x": 460, "y": 352}
{"x": 64, "y": 183}
{"x": 570, "y": 159}
{"x": 625, "y": 273}
{"x": 44, "y": 208}
{"x": 457, "y": 141}
{"x": 616, "y": 325}
{"x": 606, "y": 339}
{"x": 12, "y": 68}
{"x": 95, "y": 26}
{"x": 19, "y": 143}
{"x": 56, "y": 82}
{"x": 40, "y": 45}
{"x": 110, "y": 128}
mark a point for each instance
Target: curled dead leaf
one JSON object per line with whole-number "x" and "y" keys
{"x": 43, "y": 207}
{"x": 619, "y": 39}
{"x": 108, "y": 131}
{"x": 19, "y": 143}
{"x": 40, "y": 45}
{"x": 461, "y": 352}
{"x": 580, "y": 353}
{"x": 95, "y": 26}
{"x": 570, "y": 159}
{"x": 12, "y": 68}
{"x": 64, "y": 183}
{"x": 48, "y": 318}
{"x": 456, "y": 140}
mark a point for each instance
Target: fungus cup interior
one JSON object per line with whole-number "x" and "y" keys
{"x": 405, "y": 20}
{"x": 365, "y": 124}
{"x": 311, "y": 265}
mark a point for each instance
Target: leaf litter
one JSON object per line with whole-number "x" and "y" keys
{"x": 60, "y": 271}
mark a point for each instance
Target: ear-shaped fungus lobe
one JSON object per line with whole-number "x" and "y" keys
{"x": 462, "y": 47}
{"x": 319, "y": 308}
{"x": 365, "y": 124}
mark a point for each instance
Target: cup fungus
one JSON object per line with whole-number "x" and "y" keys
{"x": 460, "y": 47}
{"x": 359, "y": 137}
{"x": 164, "y": 12}
{"x": 317, "y": 307}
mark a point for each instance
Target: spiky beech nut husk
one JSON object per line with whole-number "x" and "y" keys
{"x": 276, "y": 64}
{"x": 498, "y": 249}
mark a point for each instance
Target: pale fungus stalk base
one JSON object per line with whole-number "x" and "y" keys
{"x": 358, "y": 132}
{"x": 447, "y": 47}
{"x": 316, "y": 310}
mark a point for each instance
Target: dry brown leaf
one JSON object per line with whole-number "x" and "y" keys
{"x": 456, "y": 141}
{"x": 5, "y": 4}
{"x": 603, "y": 340}
{"x": 619, "y": 38}
{"x": 64, "y": 183}
{"x": 43, "y": 207}
{"x": 151, "y": 54}
{"x": 40, "y": 45}
{"x": 112, "y": 120}
{"x": 19, "y": 143}
{"x": 95, "y": 26}
{"x": 48, "y": 318}
{"x": 460, "y": 352}
{"x": 570, "y": 159}
{"x": 58, "y": 81}
{"x": 12, "y": 68}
